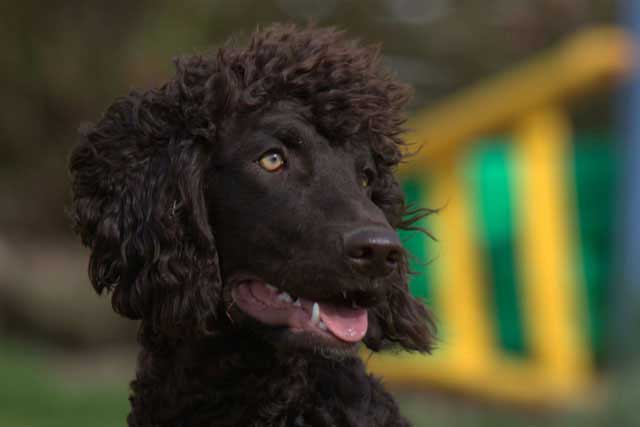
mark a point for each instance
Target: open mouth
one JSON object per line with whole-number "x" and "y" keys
{"x": 335, "y": 320}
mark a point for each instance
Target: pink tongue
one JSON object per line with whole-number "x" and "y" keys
{"x": 348, "y": 324}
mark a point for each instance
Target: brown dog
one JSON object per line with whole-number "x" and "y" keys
{"x": 246, "y": 212}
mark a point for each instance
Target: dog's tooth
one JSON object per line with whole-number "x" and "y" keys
{"x": 296, "y": 303}
{"x": 271, "y": 287}
{"x": 322, "y": 326}
{"x": 284, "y": 297}
{"x": 315, "y": 313}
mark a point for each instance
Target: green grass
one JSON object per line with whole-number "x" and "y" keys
{"x": 614, "y": 405}
{"x": 31, "y": 396}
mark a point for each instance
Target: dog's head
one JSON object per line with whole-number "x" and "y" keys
{"x": 255, "y": 191}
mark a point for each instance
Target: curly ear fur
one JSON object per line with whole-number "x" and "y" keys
{"x": 137, "y": 179}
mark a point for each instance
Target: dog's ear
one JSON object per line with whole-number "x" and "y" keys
{"x": 138, "y": 180}
{"x": 401, "y": 320}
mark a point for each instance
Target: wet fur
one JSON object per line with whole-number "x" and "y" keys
{"x": 145, "y": 202}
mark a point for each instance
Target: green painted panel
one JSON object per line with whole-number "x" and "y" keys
{"x": 416, "y": 242}
{"x": 594, "y": 167}
{"x": 489, "y": 174}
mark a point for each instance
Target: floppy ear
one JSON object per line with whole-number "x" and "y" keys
{"x": 137, "y": 180}
{"x": 401, "y": 320}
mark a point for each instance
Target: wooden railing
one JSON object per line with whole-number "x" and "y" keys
{"x": 530, "y": 106}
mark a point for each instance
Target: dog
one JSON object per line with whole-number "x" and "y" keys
{"x": 246, "y": 213}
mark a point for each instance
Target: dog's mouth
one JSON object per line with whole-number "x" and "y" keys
{"x": 336, "y": 319}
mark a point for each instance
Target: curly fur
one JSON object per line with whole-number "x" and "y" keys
{"x": 141, "y": 181}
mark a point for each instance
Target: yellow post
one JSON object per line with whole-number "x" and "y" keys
{"x": 582, "y": 63}
{"x": 520, "y": 102}
{"x": 460, "y": 294}
{"x": 547, "y": 250}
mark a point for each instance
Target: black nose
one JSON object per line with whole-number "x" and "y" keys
{"x": 373, "y": 251}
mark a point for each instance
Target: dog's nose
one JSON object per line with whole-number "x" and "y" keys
{"x": 373, "y": 251}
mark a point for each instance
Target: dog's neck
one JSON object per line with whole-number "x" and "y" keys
{"x": 240, "y": 381}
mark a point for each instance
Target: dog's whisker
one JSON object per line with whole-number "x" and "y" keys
{"x": 233, "y": 302}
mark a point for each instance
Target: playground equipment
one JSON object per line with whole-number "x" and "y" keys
{"x": 518, "y": 277}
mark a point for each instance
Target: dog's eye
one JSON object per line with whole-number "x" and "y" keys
{"x": 272, "y": 161}
{"x": 366, "y": 178}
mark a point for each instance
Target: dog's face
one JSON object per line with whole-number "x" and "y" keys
{"x": 303, "y": 248}
{"x": 254, "y": 193}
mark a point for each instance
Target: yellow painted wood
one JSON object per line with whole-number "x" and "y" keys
{"x": 521, "y": 102}
{"x": 550, "y": 287}
{"x": 560, "y": 367}
{"x": 461, "y": 294}
{"x": 505, "y": 379}
{"x": 581, "y": 64}
{"x": 458, "y": 289}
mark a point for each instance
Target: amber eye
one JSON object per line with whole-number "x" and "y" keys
{"x": 272, "y": 161}
{"x": 366, "y": 178}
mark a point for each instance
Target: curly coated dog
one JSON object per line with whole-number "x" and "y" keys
{"x": 246, "y": 213}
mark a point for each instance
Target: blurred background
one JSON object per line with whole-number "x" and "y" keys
{"x": 525, "y": 109}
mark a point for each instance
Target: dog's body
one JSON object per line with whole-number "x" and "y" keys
{"x": 235, "y": 381}
{"x": 246, "y": 213}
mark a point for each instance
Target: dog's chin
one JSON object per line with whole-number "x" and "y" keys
{"x": 286, "y": 342}
{"x": 329, "y": 328}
